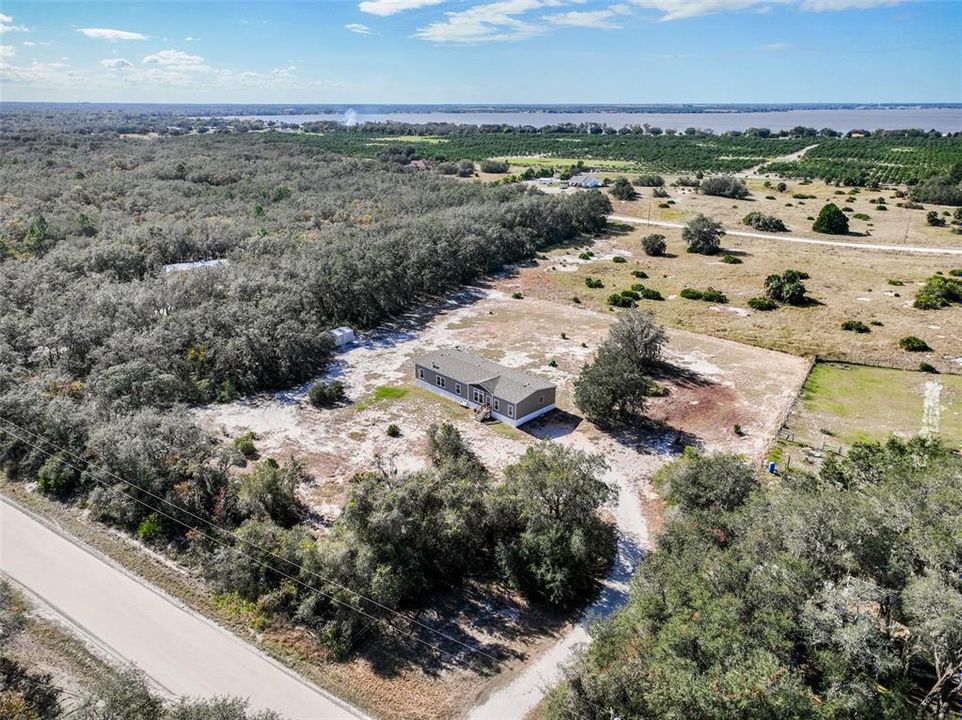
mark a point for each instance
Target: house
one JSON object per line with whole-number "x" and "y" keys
{"x": 341, "y": 336}
{"x": 510, "y": 395}
{"x": 585, "y": 181}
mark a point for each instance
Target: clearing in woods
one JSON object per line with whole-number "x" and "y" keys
{"x": 841, "y": 404}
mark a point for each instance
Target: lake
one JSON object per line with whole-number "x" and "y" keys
{"x": 926, "y": 118}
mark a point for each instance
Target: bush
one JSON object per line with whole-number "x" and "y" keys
{"x": 714, "y": 296}
{"x": 245, "y": 445}
{"x": 326, "y": 393}
{"x": 856, "y": 326}
{"x": 724, "y": 186}
{"x": 632, "y": 293}
{"x": 927, "y": 368}
{"x": 593, "y": 283}
{"x": 703, "y": 235}
{"x": 465, "y": 169}
{"x": 831, "y": 221}
{"x": 787, "y": 287}
{"x": 393, "y": 430}
{"x": 691, "y": 294}
{"x": 517, "y": 295}
{"x": 622, "y": 189}
{"x": 761, "y": 221}
{"x": 660, "y": 193}
{"x": 861, "y": 216}
{"x": 912, "y": 343}
{"x": 618, "y": 259}
{"x": 640, "y": 274}
{"x": 649, "y": 294}
{"x": 938, "y": 292}
{"x": 447, "y": 168}
{"x": 649, "y": 181}
{"x": 619, "y": 300}
{"x": 763, "y": 304}
{"x": 654, "y": 244}
{"x": 732, "y": 260}
{"x": 494, "y": 166}
{"x": 933, "y": 219}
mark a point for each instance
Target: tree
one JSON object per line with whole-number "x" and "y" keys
{"x": 270, "y": 491}
{"x": 787, "y": 288}
{"x": 654, "y": 244}
{"x": 703, "y": 235}
{"x": 326, "y": 393}
{"x": 725, "y": 186}
{"x": 622, "y": 189}
{"x": 831, "y": 221}
{"x": 553, "y": 544}
{"x": 614, "y": 387}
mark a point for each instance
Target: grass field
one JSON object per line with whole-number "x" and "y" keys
{"x": 841, "y": 404}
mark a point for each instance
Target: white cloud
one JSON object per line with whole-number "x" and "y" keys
{"x": 116, "y": 64}
{"x": 7, "y": 51}
{"x": 680, "y": 9}
{"x": 189, "y": 38}
{"x": 390, "y": 7}
{"x": 174, "y": 59}
{"x": 598, "y": 19}
{"x": 493, "y": 22}
{"x": 111, "y": 34}
{"x": 6, "y": 25}
{"x": 358, "y": 28}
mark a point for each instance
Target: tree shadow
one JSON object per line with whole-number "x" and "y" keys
{"x": 552, "y": 425}
{"x": 667, "y": 371}
{"x": 653, "y": 437}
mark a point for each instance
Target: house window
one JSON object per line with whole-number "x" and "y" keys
{"x": 497, "y": 405}
{"x": 541, "y": 400}
{"x": 479, "y": 396}
{"x": 457, "y": 388}
{"x": 440, "y": 381}
{"x": 421, "y": 373}
{"x": 510, "y": 410}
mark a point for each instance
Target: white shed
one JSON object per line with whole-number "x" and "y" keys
{"x": 342, "y": 336}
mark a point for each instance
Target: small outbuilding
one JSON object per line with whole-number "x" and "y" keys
{"x": 341, "y": 336}
{"x": 491, "y": 390}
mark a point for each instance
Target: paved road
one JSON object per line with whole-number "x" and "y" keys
{"x": 178, "y": 650}
{"x": 804, "y": 240}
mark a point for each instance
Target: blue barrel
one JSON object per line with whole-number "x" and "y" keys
{"x": 771, "y": 467}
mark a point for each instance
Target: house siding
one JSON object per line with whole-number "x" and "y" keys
{"x": 530, "y": 404}
{"x": 431, "y": 376}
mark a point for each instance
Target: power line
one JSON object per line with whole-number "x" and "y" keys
{"x": 299, "y": 568}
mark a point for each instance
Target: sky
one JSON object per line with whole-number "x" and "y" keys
{"x": 482, "y": 51}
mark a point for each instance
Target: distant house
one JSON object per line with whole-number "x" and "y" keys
{"x": 585, "y": 181}
{"x": 196, "y": 265}
{"x": 512, "y": 396}
{"x": 341, "y": 336}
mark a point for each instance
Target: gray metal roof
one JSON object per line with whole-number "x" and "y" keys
{"x": 506, "y": 383}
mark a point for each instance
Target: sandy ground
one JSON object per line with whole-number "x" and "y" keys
{"x": 713, "y": 385}
{"x": 182, "y": 653}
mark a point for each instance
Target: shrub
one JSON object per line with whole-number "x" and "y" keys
{"x": 638, "y": 287}
{"x": 703, "y": 235}
{"x": 761, "y": 221}
{"x": 649, "y": 181}
{"x": 896, "y": 283}
{"x": 659, "y": 192}
{"x": 553, "y": 363}
{"x": 576, "y": 300}
{"x": 150, "y": 528}
{"x": 593, "y": 283}
{"x": 714, "y": 296}
{"x": 517, "y": 295}
{"x": 831, "y": 221}
{"x": 860, "y": 216}
{"x": 856, "y": 326}
{"x": 649, "y": 294}
{"x": 781, "y": 187}
{"x": 932, "y": 218}
{"x": 618, "y": 259}
{"x": 691, "y": 294}
{"x": 619, "y": 300}
{"x": 685, "y": 181}
{"x": 623, "y": 189}
{"x": 664, "y": 205}
{"x": 724, "y": 186}
{"x": 494, "y": 166}
{"x": 732, "y": 260}
{"x": 586, "y": 255}
{"x": 326, "y": 393}
{"x": 926, "y": 367}
{"x": 938, "y": 292}
{"x": 787, "y": 287}
{"x": 912, "y": 343}
{"x": 245, "y": 445}
{"x": 447, "y": 168}
{"x": 762, "y": 303}
{"x": 654, "y": 244}
{"x": 956, "y": 272}
{"x": 393, "y": 430}
{"x": 640, "y": 274}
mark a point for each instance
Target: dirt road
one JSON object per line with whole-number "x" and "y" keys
{"x": 803, "y": 240}
{"x": 180, "y": 652}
